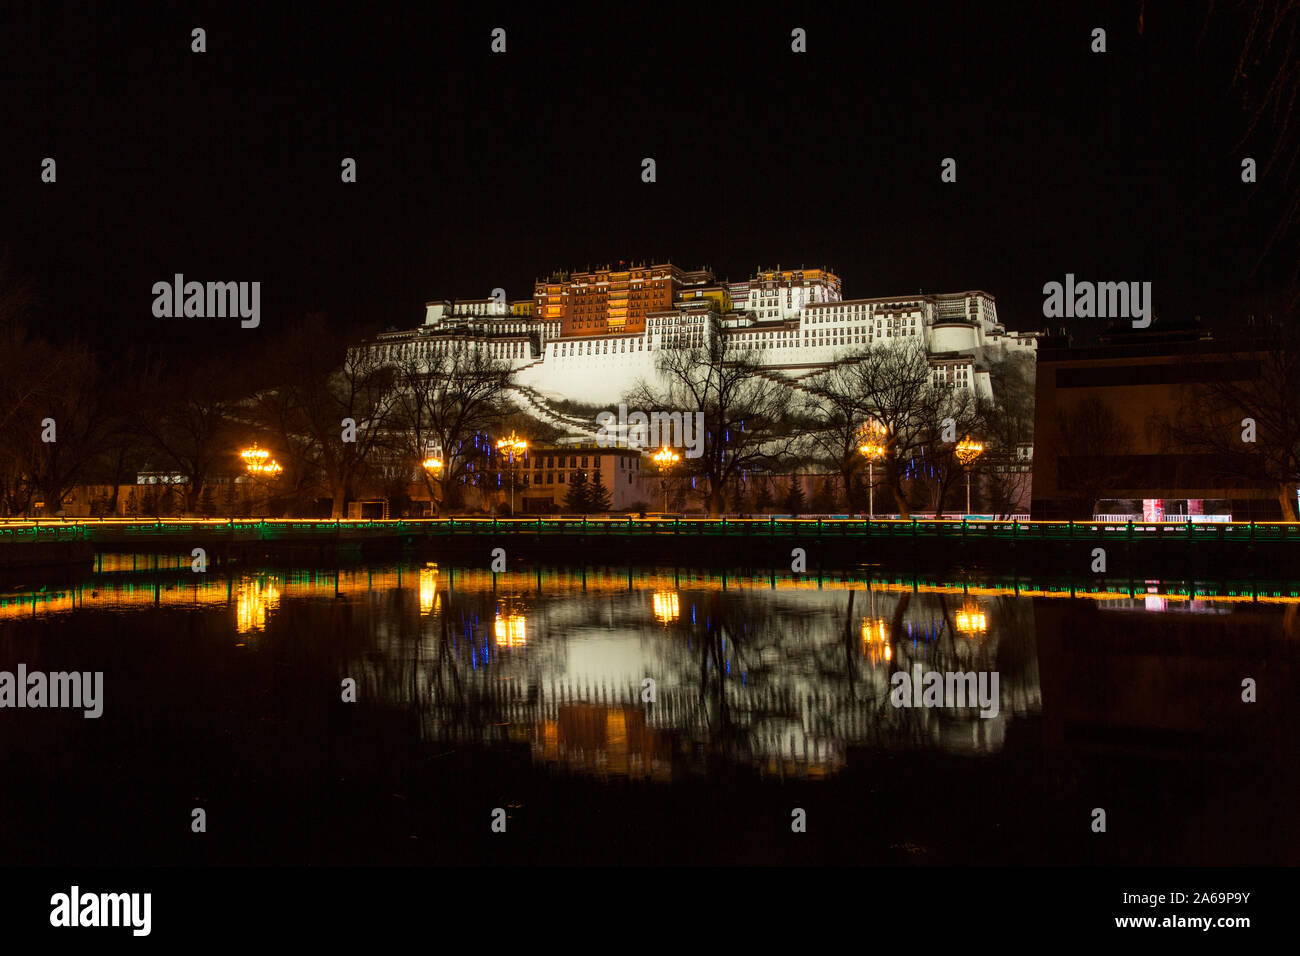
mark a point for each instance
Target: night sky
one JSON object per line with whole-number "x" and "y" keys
{"x": 478, "y": 170}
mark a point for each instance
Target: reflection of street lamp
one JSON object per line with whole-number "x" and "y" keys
{"x": 511, "y": 445}
{"x": 429, "y": 600}
{"x": 253, "y": 597}
{"x": 872, "y": 433}
{"x": 967, "y": 451}
{"x": 971, "y": 620}
{"x": 874, "y": 644}
{"x": 666, "y": 606}
{"x": 511, "y": 629}
{"x": 665, "y": 458}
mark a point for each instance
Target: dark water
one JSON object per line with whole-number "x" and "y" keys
{"x": 525, "y": 691}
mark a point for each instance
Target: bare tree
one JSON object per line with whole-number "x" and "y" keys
{"x": 276, "y": 414}
{"x": 892, "y": 385}
{"x": 27, "y": 378}
{"x": 1008, "y": 423}
{"x": 837, "y": 418}
{"x": 1247, "y": 427}
{"x": 951, "y": 414}
{"x": 444, "y": 398}
{"x": 188, "y": 422}
{"x": 73, "y": 404}
{"x": 1091, "y": 443}
{"x": 345, "y": 411}
{"x": 918, "y": 422}
{"x": 746, "y": 412}
{"x": 1267, "y": 74}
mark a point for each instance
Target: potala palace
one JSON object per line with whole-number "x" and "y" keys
{"x": 589, "y": 337}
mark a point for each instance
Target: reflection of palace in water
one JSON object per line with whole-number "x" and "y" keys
{"x": 785, "y": 674}
{"x": 604, "y": 740}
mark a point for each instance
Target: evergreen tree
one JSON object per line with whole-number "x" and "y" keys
{"x": 795, "y": 502}
{"x": 858, "y": 501}
{"x": 824, "y": 498}
{"x": 598, "y": 495}
{"x": 577, "y": 499}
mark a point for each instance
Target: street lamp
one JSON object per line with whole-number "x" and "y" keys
{"x": 967, "y": 451}
{"x": 872, "y": 434}
{"x": 433, "y": 465}
{"x": 258, "y": 461}
{"x": 665, "y": 458}
{"x": 511, "y": 444}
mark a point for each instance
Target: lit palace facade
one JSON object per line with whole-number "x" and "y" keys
{"x": 589, "y": 337}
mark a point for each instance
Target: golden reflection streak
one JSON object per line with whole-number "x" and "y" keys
{"x": 253, "y": 598}
{"x": 430, "y": 600}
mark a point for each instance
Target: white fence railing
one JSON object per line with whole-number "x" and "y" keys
{"x": 1167, "y": 519}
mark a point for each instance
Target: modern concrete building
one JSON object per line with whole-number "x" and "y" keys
{"x": 1103, "y": 441}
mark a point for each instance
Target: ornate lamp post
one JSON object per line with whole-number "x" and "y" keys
{"x": 665, "y": 458}
{"x": 872, "y": 434}
{"x": 967, "y": 451}
{"x": 510, "y": 445}
{"x": 259, "y": 463}
{"x": 433, "y": 465}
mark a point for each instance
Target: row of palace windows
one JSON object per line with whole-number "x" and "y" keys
{"x": 553, "y": 477}
{"x": 557, "y": 461}
{"x": 573, "y": 461}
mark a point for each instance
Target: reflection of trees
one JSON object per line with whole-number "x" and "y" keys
{"x": 446, "y": 687}
{"x": 810, "y": 678}
{"x": 783, "y": 680}
{"x": 725, "y": 735}
{"x": 745, "y": 413}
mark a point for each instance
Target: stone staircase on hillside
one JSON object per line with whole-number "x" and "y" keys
{"x": 534, "y": 404}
